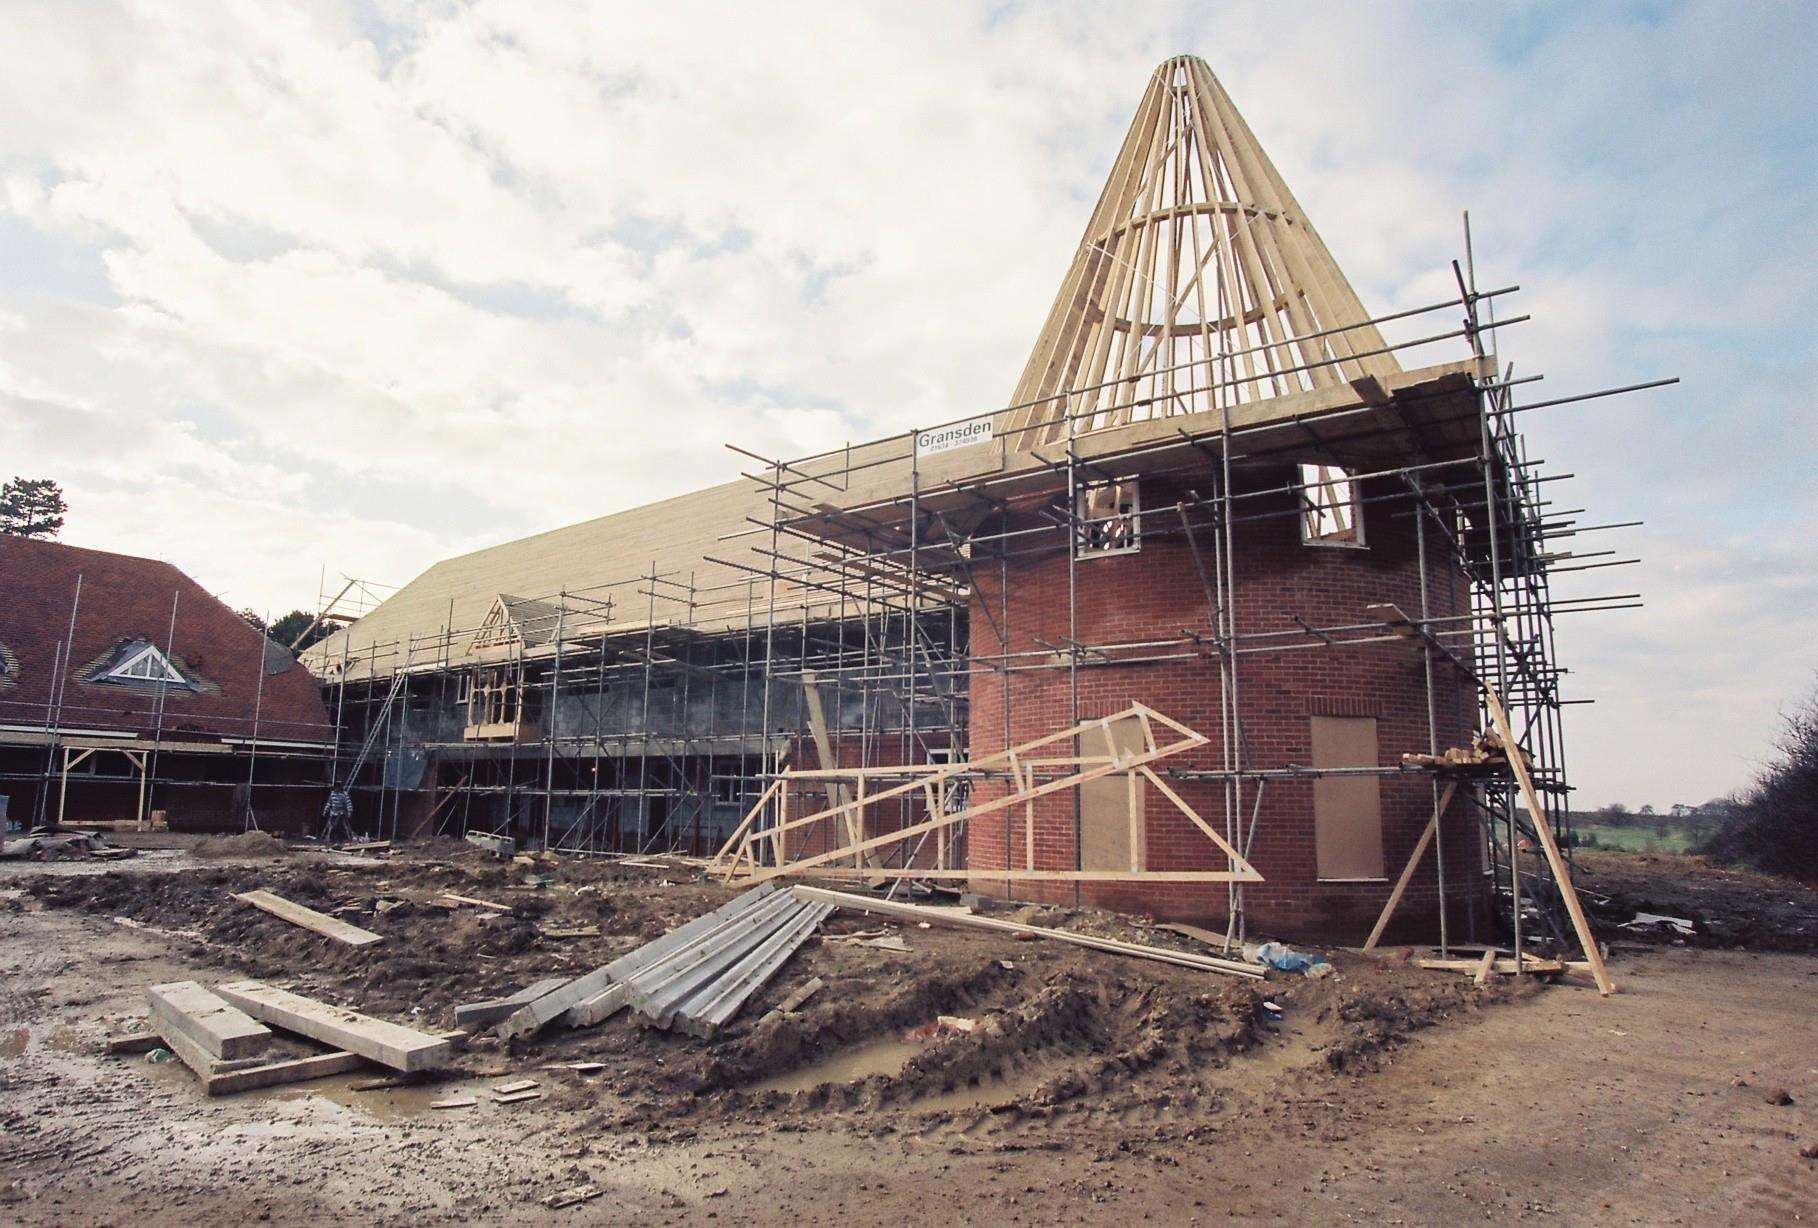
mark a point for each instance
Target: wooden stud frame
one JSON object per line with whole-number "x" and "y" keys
{"x": 756, "y": 850}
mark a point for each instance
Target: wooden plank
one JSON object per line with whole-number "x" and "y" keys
{"x": 216, "y": 1028}
{"x": 966, "y": 920}
{"x": 1486, "y": 967}
{"x": 1503, "y": 964}
{"x": 133, "y": 1042}
{"x": 388, "y": 1044}
{"x": 278, "y": 1073}
{"x": 480, "y": 1014}
{"x": 467, "y": 899}
{"x": 570, "y": 1197}
{"x": 801, "y": 995}
{"x": 308, "y": 918}
{"x": 1561, "y": 876}
{"x": 192, "y": 1055}
{"x": 1196, "y": 933}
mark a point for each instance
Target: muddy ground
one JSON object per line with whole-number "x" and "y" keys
{"x": 1728, "y": 907}
{"x": 1097, "y": 1088}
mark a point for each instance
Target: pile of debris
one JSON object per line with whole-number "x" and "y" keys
{"x": 1485, "y": 757}
{"x": 43, "y": 844}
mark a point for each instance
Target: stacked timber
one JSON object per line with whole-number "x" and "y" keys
{"x": 692, "y": 979}
{"x": 222, "y": 1036}
{"x": 700, "y": 990}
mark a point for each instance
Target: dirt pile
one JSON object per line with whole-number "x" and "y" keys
{"x": 246, "y": 844}
{"x": 1727, "y": 907}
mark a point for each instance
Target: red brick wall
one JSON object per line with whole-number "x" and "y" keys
{"x": 1152, "y": 595}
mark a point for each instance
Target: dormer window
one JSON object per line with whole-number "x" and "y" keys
{"x": 146, "y": 665}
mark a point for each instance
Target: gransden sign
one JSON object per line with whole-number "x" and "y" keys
{"x": 956, "y": 435}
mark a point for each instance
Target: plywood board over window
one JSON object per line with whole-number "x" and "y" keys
{"x": 1347, "y": 810}
{"x": 1111, "y": 807}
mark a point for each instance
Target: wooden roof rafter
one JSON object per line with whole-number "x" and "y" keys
{"x": 1196, "y": 254}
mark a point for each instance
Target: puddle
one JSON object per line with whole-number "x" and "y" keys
{"x": 886, "y": 1056}
{"x": 392, "y": 1104}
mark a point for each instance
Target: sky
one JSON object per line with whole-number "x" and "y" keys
{"x": 331, "y": 289}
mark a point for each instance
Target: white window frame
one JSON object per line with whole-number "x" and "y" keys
{"x": 169, "y": 673}
{"x": 1084, "y": 545}
{"x": 1322, "y": 504}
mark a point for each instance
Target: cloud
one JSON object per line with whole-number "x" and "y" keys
{"x": 362, "y": 286}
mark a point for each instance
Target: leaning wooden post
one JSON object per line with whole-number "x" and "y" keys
{"x": 63, "y": 788}
{"x": 1407, "y": 872}
{"x": 1518, "y": 763}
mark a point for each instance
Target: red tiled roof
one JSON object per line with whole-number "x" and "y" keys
{"x": 129, "y": 598}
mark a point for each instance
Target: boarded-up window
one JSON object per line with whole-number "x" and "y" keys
{"x": 1111, "y": 807}
{"x": 1347, "y": 810}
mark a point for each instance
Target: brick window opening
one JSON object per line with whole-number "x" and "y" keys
{"x": 1108, "y": 516}
{"x": 1330, "y": 512}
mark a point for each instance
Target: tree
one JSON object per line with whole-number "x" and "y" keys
{"x": 1774, "y": 825}
{"x": 289, "y": 627}
{"x": 32, "y": 507}
{"x": 284, "y": 629}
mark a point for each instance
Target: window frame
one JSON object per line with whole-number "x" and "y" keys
{"x": 1083, "y": 547}
{"x": 1319, "y": 476}
{"x": 169, "y": 676}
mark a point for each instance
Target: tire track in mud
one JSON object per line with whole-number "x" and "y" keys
{"x": 39, "y": 1124}
{"x": 17, "y": 1006}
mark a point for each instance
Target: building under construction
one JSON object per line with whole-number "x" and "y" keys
{"x": 1233, "y": 613}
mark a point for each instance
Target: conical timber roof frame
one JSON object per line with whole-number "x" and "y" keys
{"x": 1199, "y": 282}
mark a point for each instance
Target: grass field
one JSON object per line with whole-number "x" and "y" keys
{"x": 1633, "y": 839}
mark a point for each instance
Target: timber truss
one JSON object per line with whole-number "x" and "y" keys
{"x": 769, "y": 844}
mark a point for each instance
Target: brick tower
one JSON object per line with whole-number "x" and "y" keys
{"x": 1228, "y": 516}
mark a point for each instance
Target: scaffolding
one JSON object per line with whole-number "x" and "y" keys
{"x": 1482, "y": 509}
{"x": 880, "y": 564}
{"x": 638, "y": 715}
